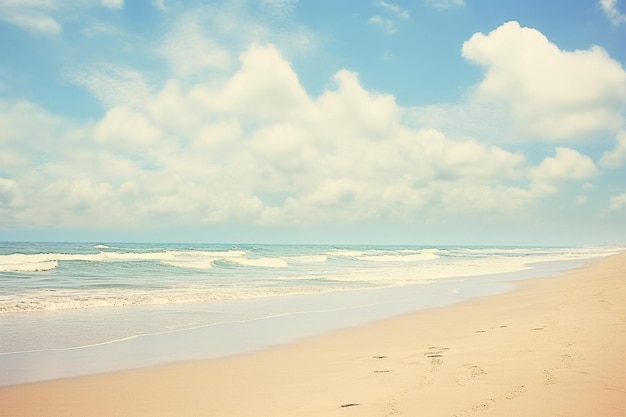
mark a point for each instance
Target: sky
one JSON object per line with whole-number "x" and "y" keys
{"x": 426, "y": 122}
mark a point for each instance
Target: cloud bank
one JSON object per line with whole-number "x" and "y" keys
{"x": 239, "y": 139}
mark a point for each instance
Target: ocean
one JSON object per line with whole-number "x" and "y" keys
{"x": 77, "y": 308}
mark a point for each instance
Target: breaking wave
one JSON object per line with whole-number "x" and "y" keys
{"x": 70, "y": 276}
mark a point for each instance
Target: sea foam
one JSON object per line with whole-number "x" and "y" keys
{"x": 77, "y": 277}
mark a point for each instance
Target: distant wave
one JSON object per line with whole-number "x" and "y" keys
{"x": 261, "y": 262}
{"x": 200, "y": 259}
{"x": 19, "y": 262}
{"x": 307, "y": 259}
{"x": 415, "y": 257}
{"x": 15, "y": 264}
{"x": 377, "y": 255}
{"x": 203, "y": 259}
{"x": 207, "y": 275}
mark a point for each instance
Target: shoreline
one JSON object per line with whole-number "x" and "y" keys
{"x": 553, "y": 346}
{"x": 235, "y": 327}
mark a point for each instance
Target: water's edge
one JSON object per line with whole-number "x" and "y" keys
{"x": 256, "y": 324}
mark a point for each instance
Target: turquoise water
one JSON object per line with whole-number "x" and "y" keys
{"x": 75, "y": 308}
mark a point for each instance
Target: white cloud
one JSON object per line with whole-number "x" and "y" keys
{"x": 444, "y": 4}
{"x": 352, "y": 110}
{"x": 113, "y": 4}
{"x": 551, "y": 93}
{"x": 124, "y": 128}
{"x": 190, "y": 50}
{"x": 617, "y": 157}
{"x": 612, "y": 13}
{"x": 618, "y": 203}
{"x": 33, "y": 15}
{"x": 395, "y": 9}
{"x": 113, "y": 84}
{"x": 265, "y": 86}
{"x": 175, "y": 111}
{"x": 27, "y": 130}
{"x": 208, "y": 39}
{"x": 568, "y": 164}
{"x": 43, "y": 16}
{"x": 387, "y": 26}
{"x": 344, "y": 155}
{"x": 101, "y": 28}
{"x": 159, "y": 4}
{"x": 255, "y": 147}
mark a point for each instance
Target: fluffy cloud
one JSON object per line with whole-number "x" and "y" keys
{"x": 124, "y": 128}
{"x": 568, "y": 164}
{"x": 265, "y": 86}
{"x": 617, "y": 157}
{"x": 256, "y": 148}
{"x": 551, "y": 93}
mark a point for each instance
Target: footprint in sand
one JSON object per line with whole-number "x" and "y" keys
{"x": 566, "y": 360}
{"x": 435, "y": 353}
{"x": 493, "y": 328}
{"x": 489, "y": 402}
{"x": 515, "y": 392}
{"x": 549, "y": 378}
{"x": 471, "y": 372}
{"x": 381, "y": 371}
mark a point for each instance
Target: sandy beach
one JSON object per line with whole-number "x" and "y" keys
{"x": 554, "y": 347}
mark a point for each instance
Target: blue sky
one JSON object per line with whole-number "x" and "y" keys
{"x": 408, "y": 122}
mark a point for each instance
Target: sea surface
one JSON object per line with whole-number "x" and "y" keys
{"x": 77, "y": 308}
